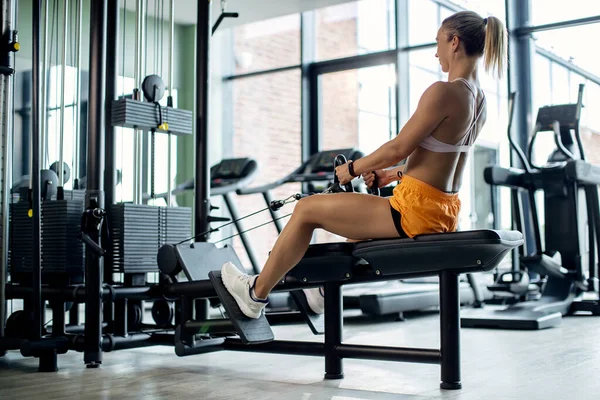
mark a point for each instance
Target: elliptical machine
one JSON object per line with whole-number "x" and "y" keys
{"x": 550, "y": 279}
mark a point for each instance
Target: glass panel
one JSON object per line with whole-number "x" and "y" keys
{"x": 549, "y": 11}
{"x": 269, "y": 44}
{"x": 590, "y": 117}
{"x": 425, "y": 59}
{"x": 124, "y": 145}
{"x": 482, "y": 7}
{"x": 354, "y": 28}
{"x": 483, "y": 213}
{"x": 560, "y": 84}
{"x": 420, "y": 80}
{"x": 570, "y": 43}
{"x": 366, "y": 117}
{"x": 55, "y": 88}
{"x": 542, "y": 84}
{"x": 53, "y": 145}
{"x": 266, "y": 123}
{"x": 445, "y": 13}
{"x": 422, "y": 22}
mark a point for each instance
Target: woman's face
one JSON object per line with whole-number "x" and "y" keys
{"x": 445, "y": 48}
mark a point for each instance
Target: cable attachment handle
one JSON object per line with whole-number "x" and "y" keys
{"x": 92, "y": 221}
{"x": 275, "y": 205}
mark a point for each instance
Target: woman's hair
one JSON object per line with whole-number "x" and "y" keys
{"x": 480, "y": 36}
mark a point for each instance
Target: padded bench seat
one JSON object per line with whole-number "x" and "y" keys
{"x": 462, "y": 252}
{"x": 423, "y": 255}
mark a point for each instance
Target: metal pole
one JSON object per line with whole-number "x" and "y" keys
{"x": 62, "y": 96}
{"x": 520, "y": 80}
{"x": 112, "y": 34}
{"x": 94, "y": 196}
{"x": 110, "y": 170}
{"x": 36, "y": 264}
{"x": 170, "y": 98}
{"x": 45, "y": 85}
{"x": 78, "y": 92}
{"x": 202, "y": 183}
{"x": 137, "y": 96}
{"x": 8, "y": 23}
{"x": 142, "y": 73}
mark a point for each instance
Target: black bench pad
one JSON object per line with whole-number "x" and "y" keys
{"x": 324, "y": 262}
{"x": 462, "y": 252}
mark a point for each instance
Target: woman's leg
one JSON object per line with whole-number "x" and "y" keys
{"x": 351, "y": 215}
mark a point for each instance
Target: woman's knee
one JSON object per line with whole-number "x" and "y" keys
{"x": 308, "y": 210}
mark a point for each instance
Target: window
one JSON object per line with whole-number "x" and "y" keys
{"x": 542, "y": 83}
{"x": 355, "y": 28}
{"x": 423, "y": 23}
{"x": 549, "y": 11}
{"x": 483, "y": 7}
{"x": 267, "y": 44}
{"x": 358, "y": 108}
{"x": 53, "y": 148}
{"x": 424, "y": 70}
{"x": 571, "y": 43}
{"x": 484, "y": 195}
{"x": 266, "y": 127}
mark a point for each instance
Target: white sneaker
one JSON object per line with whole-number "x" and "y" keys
{"x": 316, "y": 299}
{"x": 240, "y": 285}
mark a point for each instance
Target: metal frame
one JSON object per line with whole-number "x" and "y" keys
{"x": 527, "y": 30}
{"x": 333, "y": 349}
{"x": 94, "y": 197}
{"x": 6, "y": 135}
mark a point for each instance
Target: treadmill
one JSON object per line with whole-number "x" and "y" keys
{"x": 376, "y": 299}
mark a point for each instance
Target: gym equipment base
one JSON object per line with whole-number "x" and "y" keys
{"x": 509, "y": 318}
{"x": 334, "y": 265}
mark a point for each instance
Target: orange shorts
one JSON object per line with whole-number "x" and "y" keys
{"x": 424, "y": 208}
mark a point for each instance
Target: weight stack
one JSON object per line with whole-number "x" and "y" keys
{"x": 63, "y": 252}
{"x": 138, "y": 231}
{"x": 129, "y": 113}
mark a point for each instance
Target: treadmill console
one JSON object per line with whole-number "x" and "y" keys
{"x": 231, "y": 171}
{"x": 322, "y": 162}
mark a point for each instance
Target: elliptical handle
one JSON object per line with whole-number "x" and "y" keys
{"x": 577, "y": 118}
{"x": 513, "y": 144}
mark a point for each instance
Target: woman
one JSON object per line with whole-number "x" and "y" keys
{"x": 435, "y": 141}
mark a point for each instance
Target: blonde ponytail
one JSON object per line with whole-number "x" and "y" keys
{"x": 480, "y": 36}
{"x": 494, "y": 57}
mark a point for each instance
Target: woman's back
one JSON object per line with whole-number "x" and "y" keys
{"x": 443, "y": 170}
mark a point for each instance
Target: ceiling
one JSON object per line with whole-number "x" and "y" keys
{"x": 249, "y": 10}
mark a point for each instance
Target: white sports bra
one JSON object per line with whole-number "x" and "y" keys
{"x": 464, "y": 144}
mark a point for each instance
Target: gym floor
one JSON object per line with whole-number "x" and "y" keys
{"x": 558, "y": 363}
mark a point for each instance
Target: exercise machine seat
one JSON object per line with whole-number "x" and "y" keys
{"x": 461, "y": 252}
{"x": 423, "y": 255}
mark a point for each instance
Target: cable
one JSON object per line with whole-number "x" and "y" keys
{"x": 275, "y": 205}
{"x": 253, "y": 228}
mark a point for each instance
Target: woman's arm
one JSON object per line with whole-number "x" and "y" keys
{"x": 430, "y": 112}
{"x": 395, "y": 174}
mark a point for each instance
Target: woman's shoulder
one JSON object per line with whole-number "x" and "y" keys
{"x": 441, "y": 91}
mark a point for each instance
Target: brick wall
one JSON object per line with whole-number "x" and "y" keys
{"x": 591, "y": 144}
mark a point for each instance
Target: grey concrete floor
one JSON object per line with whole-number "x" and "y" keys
{"x": 557, "y": 363}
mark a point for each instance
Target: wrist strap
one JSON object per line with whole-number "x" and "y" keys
{"x": 400, "y": 173}
{"x": 351, "y": 169}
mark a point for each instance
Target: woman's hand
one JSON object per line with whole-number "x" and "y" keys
{"x": 343, "y": 173}
{"x": 381, "y": 175}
